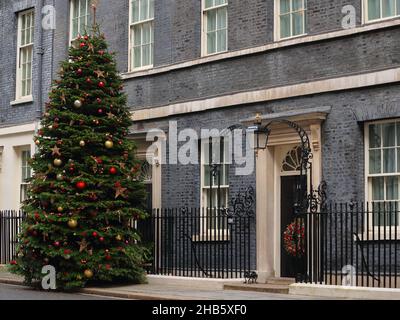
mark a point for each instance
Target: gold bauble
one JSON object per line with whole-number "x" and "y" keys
{"x": 82, "y": 143}
{"x": 72, "y": 223}
{"x": 88, "y": 273}
{"x": 37, "y": 142}
{"x": 60, "y": 209}
{"x": 109, "y": 144}
{"x": 118, "y": 237}
{"x": 57, "y": 162}
{"x": 60, "y": 177}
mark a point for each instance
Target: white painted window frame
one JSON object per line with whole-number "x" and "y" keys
{"x": 131, "y": 41}
{"x": 19, "y": 97}
{"x": 277, "y": 21}
{"x": 205, "y": 232}
{"x": 369, "y": 226}
{"x": 24, "y": 166}
{"x": 365, "y": 19}
{"x": 71, "y": 18}
{"x": 204, "y": 10}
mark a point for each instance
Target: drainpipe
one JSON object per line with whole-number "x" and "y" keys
{"x": 40, "y": 53}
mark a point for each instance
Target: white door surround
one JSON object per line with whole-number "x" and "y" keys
{"x": 268, "y": 184}
{"x": 141, "y": 152}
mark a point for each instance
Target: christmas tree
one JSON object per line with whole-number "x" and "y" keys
{"x": 86, "y": 193}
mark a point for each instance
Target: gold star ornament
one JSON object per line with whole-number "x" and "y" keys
{"x": 56, "y": 151}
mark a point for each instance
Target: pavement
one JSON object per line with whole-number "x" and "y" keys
{"x": 11, "y": 287}
{"x": 17, "y": 292}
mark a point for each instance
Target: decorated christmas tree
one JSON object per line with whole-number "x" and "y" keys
{"x": 86, "y": 193}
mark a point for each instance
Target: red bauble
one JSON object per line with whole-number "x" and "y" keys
{"x": 108, "y": 267}
{"x": 81, "y": 185}
{"x": 101, "y": 84}
{"x": 37, "y": 216}
{"x": 100, "y": 111}
{"x": 79, "y": 72}
{"x": 57, "y": 244}
{"x": 88, "y": 80}
{"x": 98, "y": 100}
{"x": 94, "y": 234}
{"x": 101, "y": 52}
{"x": 82, "y": 44}
{"x": 113, "y": 170}
{"x": 101, "y": 239}
{"x": 108, "y": 257}
{"x": 86, "y": 38}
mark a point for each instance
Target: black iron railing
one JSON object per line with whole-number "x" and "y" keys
{"x": 353, "y": 244}
{"x": 194, "y": 242}
{"x": 10, "y": 222}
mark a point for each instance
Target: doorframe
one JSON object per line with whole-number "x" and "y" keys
{"x": 267, "y": 201}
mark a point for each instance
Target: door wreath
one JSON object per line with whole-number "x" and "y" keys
{"x": 294, "y": 238}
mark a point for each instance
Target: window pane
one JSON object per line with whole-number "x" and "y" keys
{"x": 222, "y": 18}
{"x": 211, "y": 20}
{"x": 137, "y": 35}
{"x": 82, "y": 8}
{"x": 374, "y": 9}
{"x": 297, "y": 5}
{"x": 146, "y": 55}
{"x": 389, "y": 160}
{"x": 151, "y": 15}
{"x": 137, "y": 58}
{"x": 392, "y": 188}
{"x": 206, "y": 179}
{"x": 23, "y": 40}
{"x": 23, "y": 88}
{"x": 285, "y": 26}
{"x": 211, "y": 45}
{"x": 75, "y": 10}
{"x": 298, "y": 24}
{"x": 82, "y": 26}
{"x": 220, "y": 2}
{"x": 209, "y": 3}
{"x": 375, "y": 136}
{"x": 144, "y": 9}
{"x": 375, "y": 161}
{"x": 389, "y": 134}
{"x": 221, "y": 41}
{"x": 378, "y": 189}
{"x": 388, "y": 8}
{"x": 28, "y": 87}
{"x": 135, "y": 10}
{"x": 75, "y": 28}
{"x": 146, "y": 35}
{"x": 284, "y": 6}
{"x": 225, "y": 177}
{"x": 398, "y": 7}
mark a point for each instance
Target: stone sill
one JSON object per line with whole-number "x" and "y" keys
{"x": 27, "y": 99}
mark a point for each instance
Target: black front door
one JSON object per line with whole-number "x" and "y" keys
{"x": 288, "y": 196}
